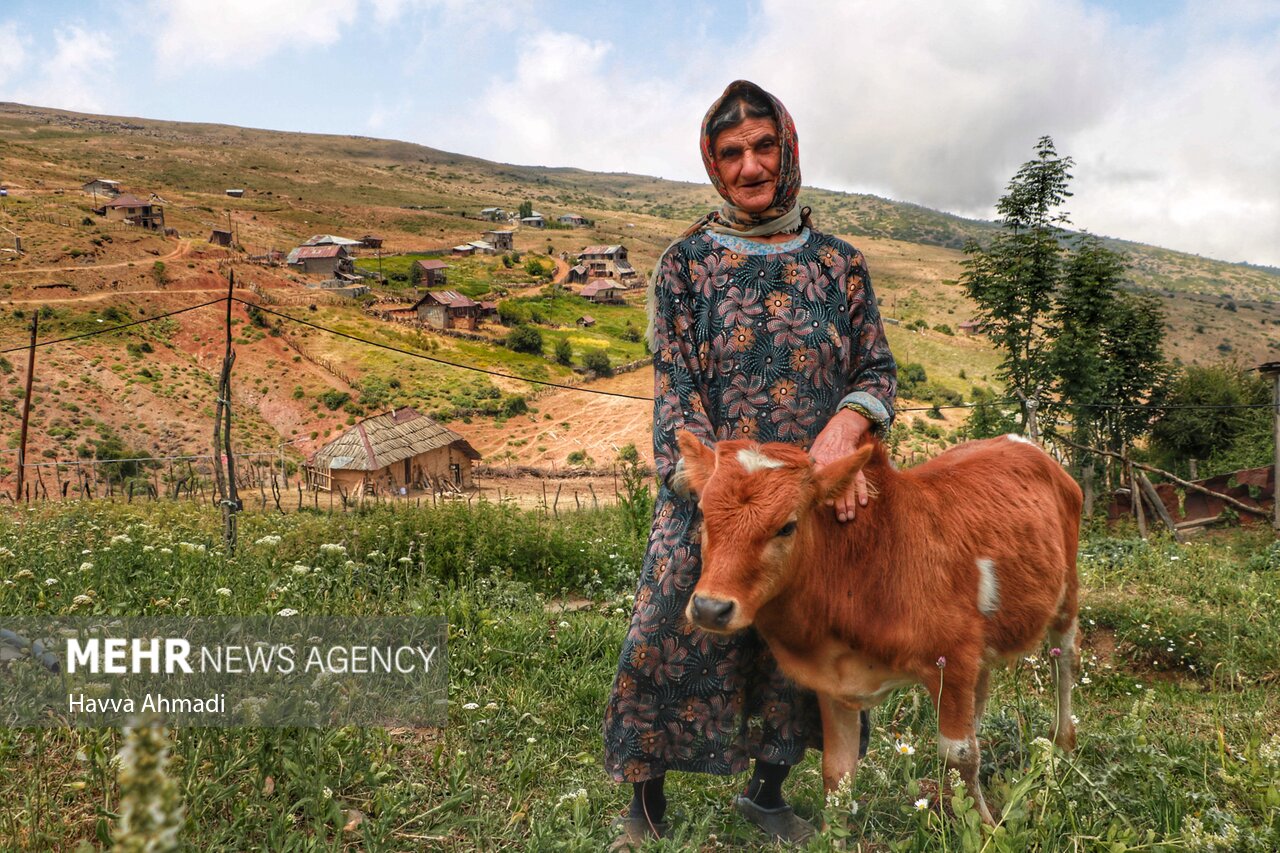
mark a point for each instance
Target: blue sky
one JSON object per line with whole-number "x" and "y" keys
{"x": 1170, "y": 109}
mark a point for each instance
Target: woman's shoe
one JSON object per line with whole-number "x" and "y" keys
{"x": 634, "y": 831}
{"x": 780, "y": 824}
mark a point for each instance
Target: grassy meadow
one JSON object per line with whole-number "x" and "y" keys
{"x": 1179, "y": 706}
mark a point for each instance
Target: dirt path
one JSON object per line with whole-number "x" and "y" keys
{"x": 184, "y": 248}
{"x": 107, "y": 294}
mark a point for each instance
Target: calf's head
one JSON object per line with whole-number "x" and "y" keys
{"x": 756, "y": 501}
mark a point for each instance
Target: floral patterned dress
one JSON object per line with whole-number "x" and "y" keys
{"x": 753, "y": 340}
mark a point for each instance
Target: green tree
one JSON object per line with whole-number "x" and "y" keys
{"x": 526, "y": 209}
{"x": 564, "y": 352}
{"x": 597, "y": 361}
{"x": 1208, "y": 423}
{"x": 1014, "y": 278}
{"x": 415, "y": 274}
{"x": 524, "y": 339}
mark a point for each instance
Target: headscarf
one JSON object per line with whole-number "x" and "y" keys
{"x": 783, "y": 215}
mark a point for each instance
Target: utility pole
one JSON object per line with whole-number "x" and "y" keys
{"x": 1272, "y": 369}
{"x": 26, "y": 405}
{"x": 227, "y": 493}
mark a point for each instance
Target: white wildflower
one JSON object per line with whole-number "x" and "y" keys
{"x": 23, "y": 575}
{"x": 148, "y": 548}
{"x": 922, "y": 804}
{"x": 121, "y": 539}
{"x": 491, "y": 706}
{"x": 563, "y": 625}
{"x": 404, "y": 561}
{"x": 904, "y": 748}
{"x": 288, "y": 611}
{"x": 82, "y": 601}
{"x": 300, "y": 569}
{"x": 531, "y": 739}
{"x": 268, "y": 541}
{"x": 470, "y": 706}
{"x": 86, "y": 567}
{"x": 166, "y": 550}
{"x": 223, "y": 591}
{"x": 333, "y": 549}
{"x": 327, "y": 793}
{"x": 50, "y": 581}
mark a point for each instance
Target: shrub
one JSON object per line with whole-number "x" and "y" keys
{"x": 944, "y": 329}
{"x": 334, "y": 399}
{"x": 564, "y": 352}
{"x": 524, "y": 339}
{"x": 630, "y": 333}
{"x": 597, "y": 361}
{"x": 512, "y": 313}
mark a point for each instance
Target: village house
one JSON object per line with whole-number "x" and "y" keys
{"x": 326, "y": 260}
{"x": 575, "y": 220}
{"x": 220, "y": 237}
{"x": 236, "y": 193}
{"x": 578, "y": 274}
{"x": 607, "y": 262}
{"x": 102, "y": 187}
{"x": 371, "y": 242}
{"x": 602, "y": 291}
{"x": 134, "y": 211}
{"x": 503, "y": 241}
{"x": 483, "y": 247}
{"x": 466, "y": 250}
{"x": 447, "y": 309}
{"x": 493, "y": 214}
{"x": 586, "y": 321}
{"x": 391, "y": 453}
{"x": 972, "y": 327}
{"x": 431, "y": 273}
{"x": 488, "y": 309}
{"x": 535, "y": 220}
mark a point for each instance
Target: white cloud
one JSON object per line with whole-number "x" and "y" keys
{"x": 74, "y": 76}
{"x": 12, "y": 53}
{"x": 567, "y": 105}
{"x": 242, "y": 33}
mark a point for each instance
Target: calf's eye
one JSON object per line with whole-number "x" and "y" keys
{"x": 787, "y": 529}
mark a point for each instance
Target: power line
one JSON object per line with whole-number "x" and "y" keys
{"x": 108, "y": 330}
{"x": 412, "y": 354}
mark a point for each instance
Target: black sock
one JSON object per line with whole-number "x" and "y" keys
{"x": 648, "y": 801}
{"x": 765, "y": 787}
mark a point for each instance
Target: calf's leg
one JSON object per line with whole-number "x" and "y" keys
{"x": 841, "y": 731}
{"x": 1064, "y": 636}
{"x": 957, "y": 734}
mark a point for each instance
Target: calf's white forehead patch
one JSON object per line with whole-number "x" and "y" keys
{"x": 753, "y": 460}
{"x": 1020, "y": 438}
{"x": 988, "y": 587}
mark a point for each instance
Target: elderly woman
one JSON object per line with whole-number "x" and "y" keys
{"x": 761, "y": 328}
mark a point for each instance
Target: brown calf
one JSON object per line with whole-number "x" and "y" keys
{"x": 954, "y": 565}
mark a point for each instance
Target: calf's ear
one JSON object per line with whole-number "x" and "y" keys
{"x": 832, "y": 480}
{"x": 698, "y": 463}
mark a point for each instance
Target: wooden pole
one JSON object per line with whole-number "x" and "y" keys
{"x": 26, "y": 405}
{"x": 1135, "y": 497}
{"x": 228, "y": 496}
{"x": 1195, "y": 487}
{"x": 1272, "y": 369}
{"x": 1157, "y": 505}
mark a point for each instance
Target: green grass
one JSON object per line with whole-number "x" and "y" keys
{"x": 1170, "y": 757}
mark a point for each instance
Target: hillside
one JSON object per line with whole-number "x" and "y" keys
{"x": 83, "y": 272}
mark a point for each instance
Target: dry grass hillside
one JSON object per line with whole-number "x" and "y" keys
{"x": 150, "y": 388}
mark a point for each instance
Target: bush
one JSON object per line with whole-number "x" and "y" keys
{"x": 579, "y": 457}
{"x": 630, "y": 333}
{"x": 512, "y": 313}
{"x": 944, "y": 329}
{"x": 513, "y": 405}
{"x": 334, "y": 399}
{"x": 597, "y": 361}
{"x": 911, "y": 376}
{"x": 524, "y": 339}
{"x": 564, "y": 352}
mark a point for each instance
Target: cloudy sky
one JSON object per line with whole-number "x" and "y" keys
{"x": 1170, "y": 108}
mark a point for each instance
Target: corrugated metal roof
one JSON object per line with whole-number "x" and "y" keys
{"x": 316, "y": 252}
{"x": 385, "y": 439}
{"x": 600, "y": 250}
{"x": 596, "y": 285}
{"x": 433, "y": 265}
{"x": 331, "y": 240}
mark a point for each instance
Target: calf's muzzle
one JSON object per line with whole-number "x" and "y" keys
{"x": 711, "y": 614}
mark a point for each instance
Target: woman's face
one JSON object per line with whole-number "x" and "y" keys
{"x": 748, "y": 158}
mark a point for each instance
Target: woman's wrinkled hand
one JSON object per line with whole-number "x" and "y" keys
{"x": 838, "y": 439}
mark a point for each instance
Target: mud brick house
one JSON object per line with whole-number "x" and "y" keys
{"x": 431, "y": 273}
{"x": 323, "y": 260}
{"x": 602, "y": 291}
{"x": 135, "y": 211}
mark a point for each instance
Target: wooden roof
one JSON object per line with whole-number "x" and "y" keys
{"x": 379, "y": 441}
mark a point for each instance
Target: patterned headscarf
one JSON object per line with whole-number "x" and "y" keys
{"x": 781, "y": 215}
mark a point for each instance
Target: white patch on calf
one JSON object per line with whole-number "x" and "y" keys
{"x": 753, "y": 460}
{"x": 988, "y": 587}
{"x": 954, "y": 751}
{"x": 1021, "y": 438}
